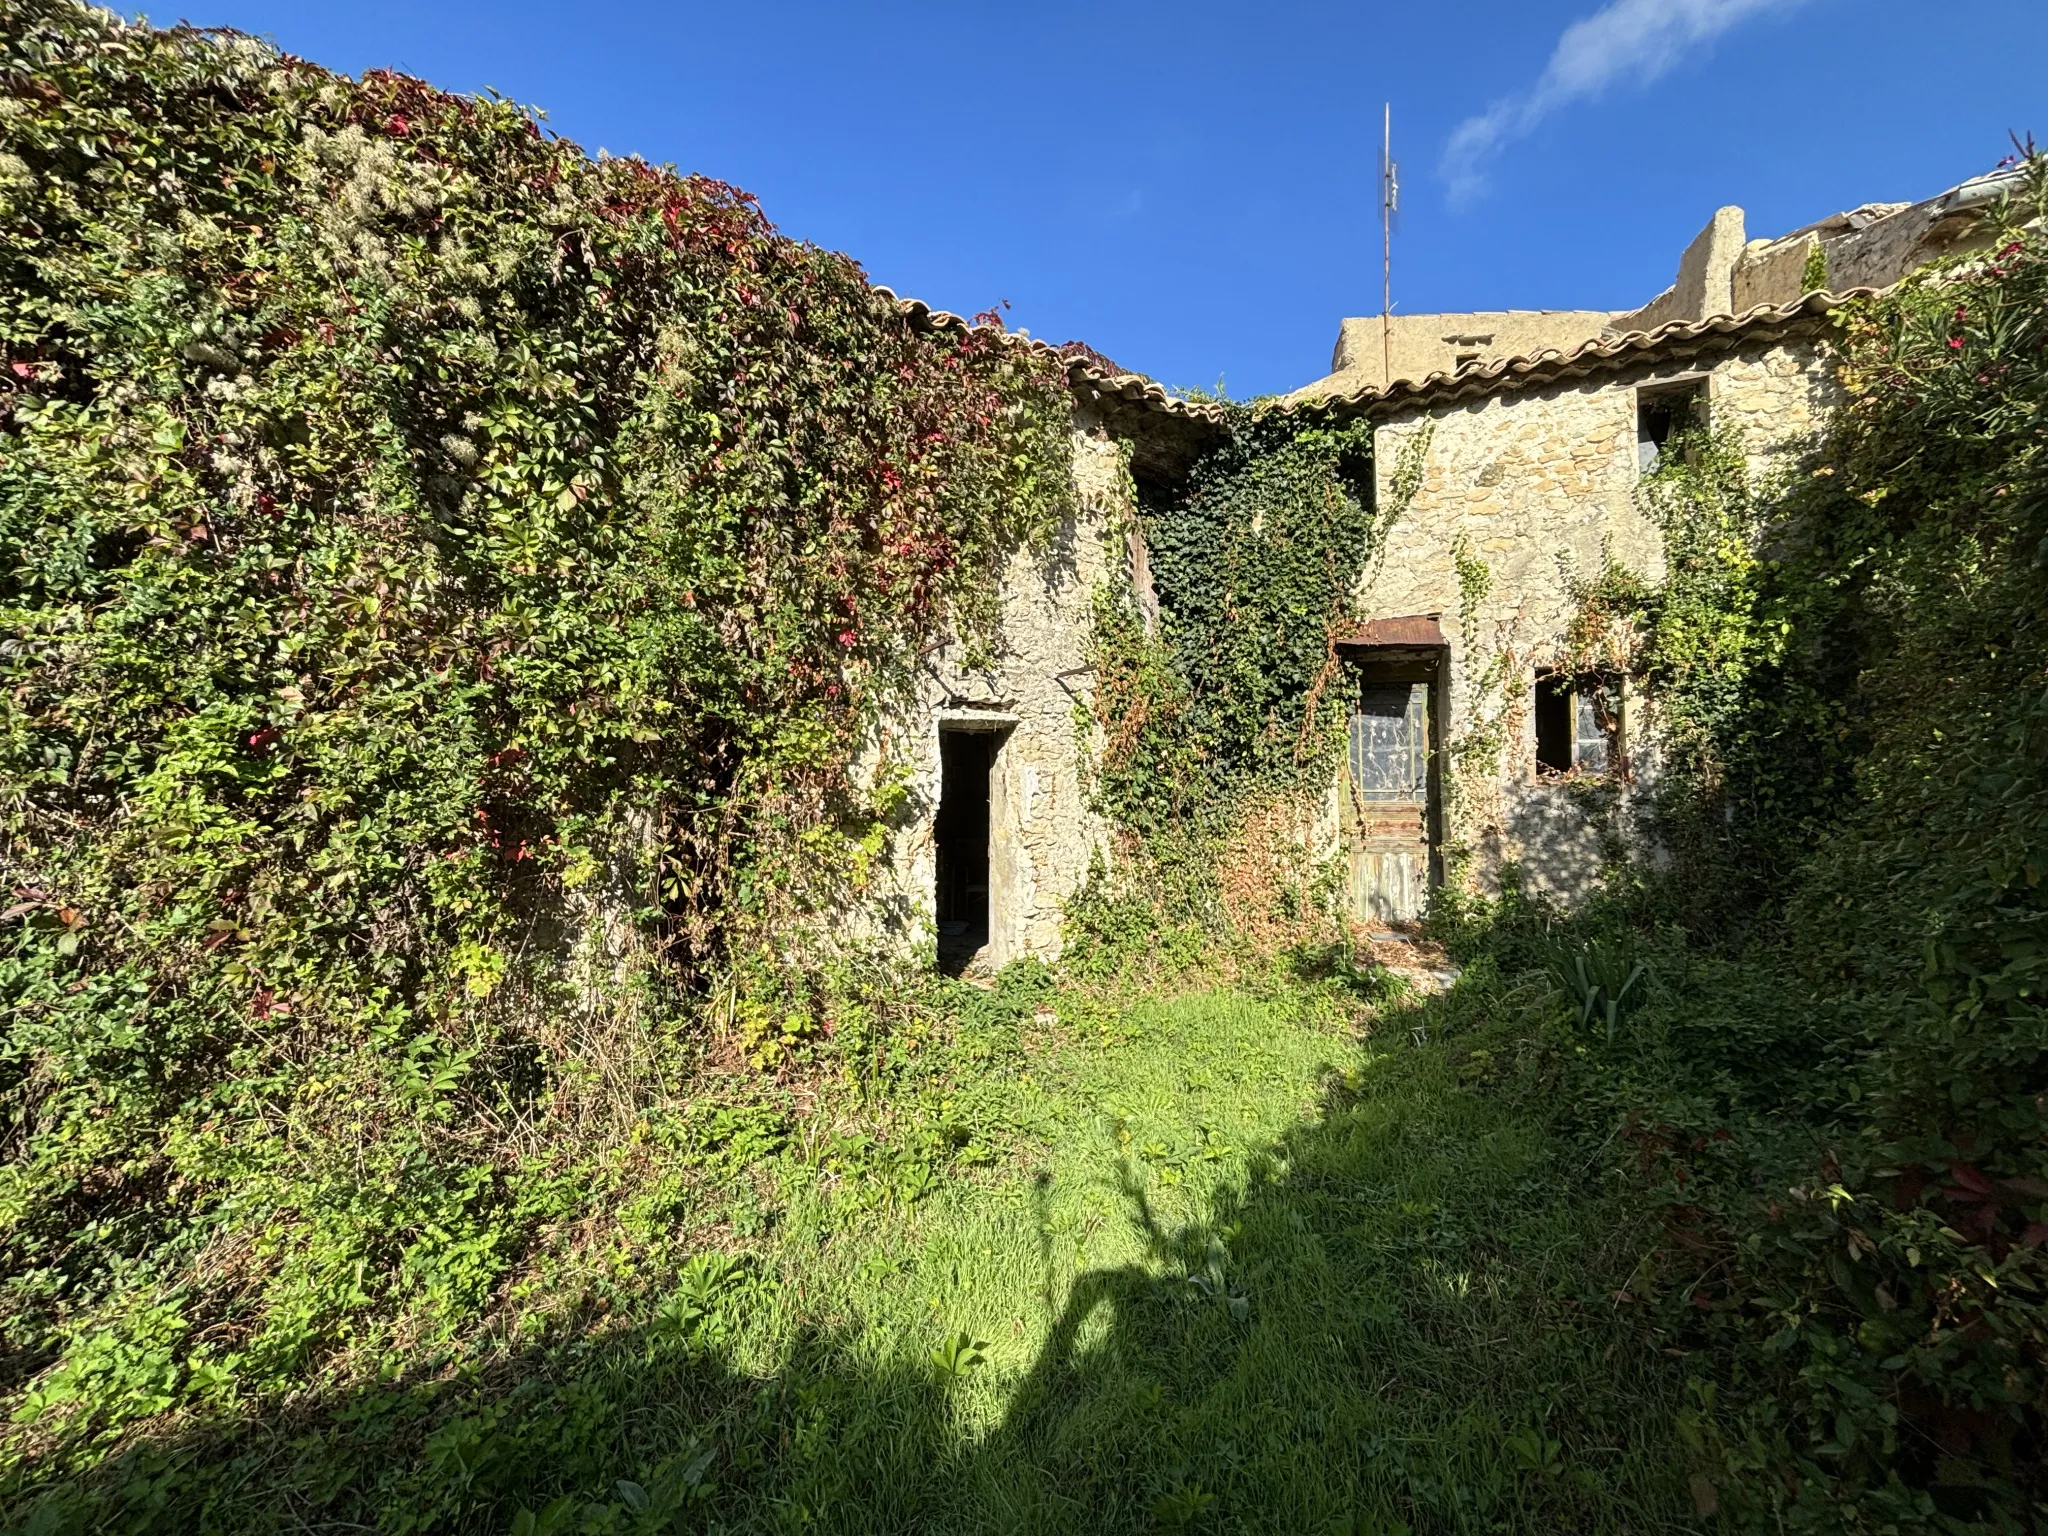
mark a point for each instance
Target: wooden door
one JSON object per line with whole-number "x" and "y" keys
{"x": 1387, "y": 783}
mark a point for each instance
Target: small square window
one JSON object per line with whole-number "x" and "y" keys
{"x": 1664, "y": 411}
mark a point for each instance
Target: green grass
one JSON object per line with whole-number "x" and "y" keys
{"x": 1224, "y": 1264}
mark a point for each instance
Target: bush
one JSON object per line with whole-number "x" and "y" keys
{"x": 448, "y": 583}
{"x": 1834, "y": 1092}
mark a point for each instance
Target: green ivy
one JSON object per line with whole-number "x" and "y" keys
{"x": 440, "y": 572}
{"x": 1236, "y": 702}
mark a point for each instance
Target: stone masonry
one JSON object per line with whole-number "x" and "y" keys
{"x": 1537, "y": 432}
{"x": 1043, "y": 835}
{"x": 1540, "y": 487}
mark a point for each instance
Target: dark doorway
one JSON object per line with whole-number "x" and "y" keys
{"x": 960, "y": 834}
{"x": 1553, "y": 724}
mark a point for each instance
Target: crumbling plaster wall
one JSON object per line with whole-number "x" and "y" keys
{"x": 1540, "y": 486}
{"x": 1771, "y": 272}
{"x": 1035, "y": 691}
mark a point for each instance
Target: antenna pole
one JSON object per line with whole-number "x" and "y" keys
{"x": 1387, "y": 248}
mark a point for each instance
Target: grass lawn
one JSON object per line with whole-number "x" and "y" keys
{"x": 1218, "y": 1262}
{"x": 1247, "y": 1272}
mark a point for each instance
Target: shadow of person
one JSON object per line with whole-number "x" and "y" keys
{"x": 1382, "y": 1325}
{"x": 1353, "y": 1332}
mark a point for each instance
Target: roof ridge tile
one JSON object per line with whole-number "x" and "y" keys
{"x": 1475, "y": 380}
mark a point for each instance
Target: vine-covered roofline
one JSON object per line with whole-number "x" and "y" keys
{"x": 1166, "y": 433}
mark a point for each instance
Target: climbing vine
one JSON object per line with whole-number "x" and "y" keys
{"x": 1216, "y": 737}
{"x": 448, "y": 581}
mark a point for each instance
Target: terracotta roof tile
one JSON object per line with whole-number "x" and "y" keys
{"x": 1082, "y": 372}
{"x": 1603, "y": 354}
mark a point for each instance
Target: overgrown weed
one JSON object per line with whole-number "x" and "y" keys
{"x": 1825, "y": 1089}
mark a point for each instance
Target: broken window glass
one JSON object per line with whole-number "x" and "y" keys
{"x": 1578, "y": 723}
{"x": 1589, "y": 736}
{"x": 1389, "y": 748}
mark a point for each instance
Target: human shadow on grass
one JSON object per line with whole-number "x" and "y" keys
{"x": 1378, "y": 1327}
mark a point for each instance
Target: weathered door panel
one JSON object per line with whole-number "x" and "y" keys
{"x": 1387, "y": 794}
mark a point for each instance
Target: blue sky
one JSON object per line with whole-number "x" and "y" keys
{"x": 1190, "y": 187}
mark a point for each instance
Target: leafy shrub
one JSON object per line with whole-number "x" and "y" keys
{"x": 1834, "y": 1102}
{"x": 1600, "y": 980}
{"x": 442, "y": 575}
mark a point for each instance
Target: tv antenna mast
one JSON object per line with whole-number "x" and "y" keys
{"x": 1390, "y": 209}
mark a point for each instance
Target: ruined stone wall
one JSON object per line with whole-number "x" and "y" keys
{"x": 1771, "y": 272}
{"x": 1706, "y": 276}
{"x": 1034, "y": 693}
{"x": 1880, "y": 253}
{"x": 1539, "y": 487}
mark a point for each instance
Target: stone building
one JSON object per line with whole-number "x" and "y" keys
{"x": 1533, "y": 428}
{"x": 1719, "y": 273}
{"x": 1470, "y": 732}
{"x": 1525, "y": 435}
{"x": 997, "y": 831}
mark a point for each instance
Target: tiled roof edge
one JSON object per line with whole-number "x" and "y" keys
{"x": 1134, "y": 388}
{"x": 1477, "y": 380}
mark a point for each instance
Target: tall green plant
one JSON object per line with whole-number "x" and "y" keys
{"x": 1852, "y": 671}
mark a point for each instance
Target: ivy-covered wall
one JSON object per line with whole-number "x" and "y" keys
{"x": 1030, "y": 687}
{"x": 1216, "y": 727}
{"x": 452, "y": 588}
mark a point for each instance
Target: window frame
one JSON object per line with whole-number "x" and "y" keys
{"x": 1608, "y": 735}
{"x": 1664, "y": 402}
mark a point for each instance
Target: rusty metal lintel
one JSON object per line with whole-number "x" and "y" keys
{"x": 1415, "y": 630}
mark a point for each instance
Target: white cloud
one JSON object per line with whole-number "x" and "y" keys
{"x": 1632, "y": 42}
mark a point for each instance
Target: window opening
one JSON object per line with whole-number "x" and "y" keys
{"x": 1462, "y": 358}
{"x": 1355, "y": 472}
{"x": 1590, "y": 721}
{"x": 1662, "y": 412}
{"x": 1578, "y": 723}
{"x": 960, "y": 835}
{"x": 1389, "y": 747}
{"x": 1553, "y": 713}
